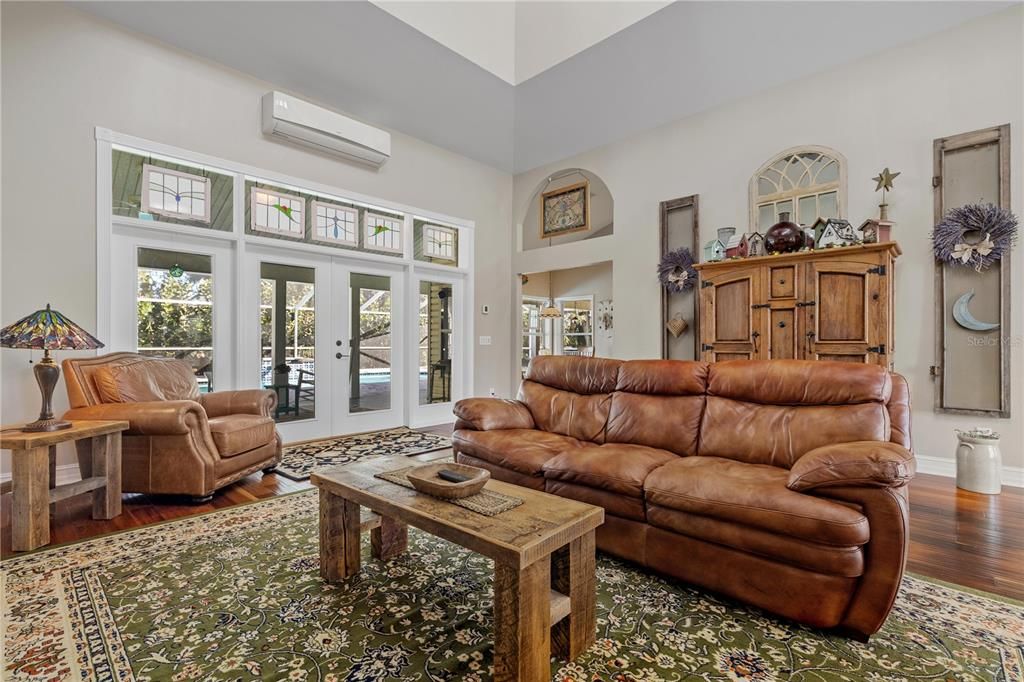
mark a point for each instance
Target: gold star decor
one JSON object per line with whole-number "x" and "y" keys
{"x": 884, "y": 180}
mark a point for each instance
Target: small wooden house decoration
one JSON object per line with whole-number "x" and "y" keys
{"x": 736, "y": 248}
{"x": 755, "y": 243}
{"x": 714, "y": 250}
{"x": 836, "y": 232}
{"x": 874, "y": 231}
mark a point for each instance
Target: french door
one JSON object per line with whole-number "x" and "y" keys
{"x": 369, "y": 350}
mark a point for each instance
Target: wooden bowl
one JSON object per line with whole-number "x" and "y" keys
{"x": 426, "y": 480}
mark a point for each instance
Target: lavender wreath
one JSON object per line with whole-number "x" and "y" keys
{"x": 995, "y": 227}
{"x": 675, "y": 271}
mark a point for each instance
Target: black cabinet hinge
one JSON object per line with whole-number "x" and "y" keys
{"x": 805, "y": 304}
{"x": 706, "y": 346}
{"x": 755, "y": 306}
{"x": 877, "y": 349}
{"x": 705, "y": 284}
{"x": 878, "y": 270}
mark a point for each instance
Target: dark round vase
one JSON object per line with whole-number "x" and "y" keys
{"x": 784, "y": 236}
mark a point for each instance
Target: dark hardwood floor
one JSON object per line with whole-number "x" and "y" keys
{"x": 956, "y": 536}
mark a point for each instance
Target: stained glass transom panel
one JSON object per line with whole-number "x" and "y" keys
{"x": 175, "y": 193}
{"x": 383, "y": 233}
{"x": 438, "y": 242}
{"x": 334, "y": 223}
{"x": 274, "y": 211}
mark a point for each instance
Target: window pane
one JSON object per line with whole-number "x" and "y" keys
{"x": 577, "y": 327}
{"x": 829, "y": 173}
{"x": 765, "y": 217}
{"x": 174, "y": 303}
{"x": 785, "y": 207}
{"x": 153, "y": 189}
{"x": 828, "y": 206}
{"x": 288, "y": 338}
{"x": 808, "y": 210}
{"x": 370, "y": 364}
{"x": 435, "y": 376}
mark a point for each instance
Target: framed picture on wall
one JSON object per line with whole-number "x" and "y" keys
{"x": 565, "y": 210}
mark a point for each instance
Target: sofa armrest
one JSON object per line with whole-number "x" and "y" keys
{"x": 492, "y": 414}
{"x": 862, "y": 463}
{"x": 157, "y": 418}
{"x": 248, "y": 401}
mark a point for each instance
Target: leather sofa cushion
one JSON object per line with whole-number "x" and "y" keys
{"x": 566, "y": 413}
{"x": 614, "y": 467}
{"x": 576, "y": 374}
{"x": 754, "y": 495}
{"x": 234, "y": 434}
{"x": 899, "y": 411}
{"x": 522, "y": 450}
{"x": 146, "y": 381}
{"x": 622, "y": 506}
{"x": 799, "y": 382}
{"x": 780, "y": 434}
{"x": 663, "y": 377}
{"x": 668, "y": 422}
{"x": 828, "y": 559}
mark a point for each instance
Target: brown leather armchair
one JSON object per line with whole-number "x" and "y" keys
{"x": 781, "y": 483}
{"x": 180, "y": 441}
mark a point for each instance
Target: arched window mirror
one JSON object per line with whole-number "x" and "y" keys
{"x": 806, "y": 182}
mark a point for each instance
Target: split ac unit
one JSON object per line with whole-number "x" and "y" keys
{"x": 297, "y": 121}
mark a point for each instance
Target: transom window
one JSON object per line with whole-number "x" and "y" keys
{"x": 383, "y": 233}
{"x": 808, "y": 183}
{"x": 175, "y": 193}
{"x": 334, "y": 223}
{"x": 274, "y": 211}
{"x": 438, "y": 242}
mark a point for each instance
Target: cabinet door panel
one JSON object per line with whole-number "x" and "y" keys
{"x": 783, "y": 282}
{"x": 730, "y": 326}
{"x": 847, "y": 322}
{"x": 782, "y": 334}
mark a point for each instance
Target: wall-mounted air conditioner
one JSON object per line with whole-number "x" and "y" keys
{"x": 297, "y": 121}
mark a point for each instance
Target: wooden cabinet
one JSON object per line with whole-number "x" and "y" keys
{"x": 833, "y": 304}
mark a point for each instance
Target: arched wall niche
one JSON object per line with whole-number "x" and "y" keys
{"x": 602, "y": 210}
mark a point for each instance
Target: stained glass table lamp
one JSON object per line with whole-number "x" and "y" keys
{"x": 47, "y": 330}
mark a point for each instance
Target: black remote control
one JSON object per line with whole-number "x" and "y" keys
{"x": 452, "y": 476}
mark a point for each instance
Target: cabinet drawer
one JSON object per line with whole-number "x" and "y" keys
{"x": 782, "y": 282}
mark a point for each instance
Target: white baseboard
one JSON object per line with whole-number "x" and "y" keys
{"x": 944, "y": 466}
{"x": 66, "y": 473}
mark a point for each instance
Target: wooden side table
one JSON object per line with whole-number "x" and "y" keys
{"x": 33, "y": 476}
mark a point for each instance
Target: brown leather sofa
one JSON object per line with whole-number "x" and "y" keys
{"x": 180, "y": 441}
{"x": 781, "y": 483}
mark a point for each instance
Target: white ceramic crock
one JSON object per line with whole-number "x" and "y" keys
{"x": 979, "y": 464}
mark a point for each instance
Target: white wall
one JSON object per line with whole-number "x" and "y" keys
{"x": 64, "y": 73}
{"x": 881, "y": 111}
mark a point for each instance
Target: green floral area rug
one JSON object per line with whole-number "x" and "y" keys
{"x": 236, "y": 595}
{"x": 300, "y": 460}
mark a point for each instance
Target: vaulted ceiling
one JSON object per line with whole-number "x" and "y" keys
{"x": 517, "y": 85}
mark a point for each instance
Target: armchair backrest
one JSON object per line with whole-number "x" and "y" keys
{"x": 172, "y": 379}
{"x": 755, "y": 411}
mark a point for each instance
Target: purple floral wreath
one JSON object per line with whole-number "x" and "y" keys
{"x": 675, "y": 271}
{"x": 996, "y": 226}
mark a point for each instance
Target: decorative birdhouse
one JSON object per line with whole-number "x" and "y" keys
{"x": 714, "y": 250}
{"x": 755, "y": 243}
{"x": 874, "y": 231}
{"x": 836, "y": 232}
{"x": 736, "y": 248}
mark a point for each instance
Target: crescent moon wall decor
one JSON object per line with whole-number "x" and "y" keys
{"x": 964, "y": 318}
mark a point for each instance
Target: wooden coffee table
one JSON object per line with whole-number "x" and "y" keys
{"x": 543, "y": 551}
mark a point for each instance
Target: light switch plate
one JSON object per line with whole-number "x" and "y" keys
{"x": 485, "y": 340}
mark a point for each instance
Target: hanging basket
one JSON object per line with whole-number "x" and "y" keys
{"x": 975, "y": 235}
{"x": 675, "y": 271}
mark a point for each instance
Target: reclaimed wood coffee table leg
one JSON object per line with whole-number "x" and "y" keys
{"x": 522, "y": 622}
{"x": 573, "y": 573}
{"x": 389, "y": 539}
{"x": 30, "y": 483}
{"x": 339, "y": 537}
{"x": 106, "y": 462}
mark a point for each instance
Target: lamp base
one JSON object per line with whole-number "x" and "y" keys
{"x": 47, "y": 425}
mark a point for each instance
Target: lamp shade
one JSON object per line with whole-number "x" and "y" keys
{"x": 47, "y": 330}
{"x": 550, "y": 312}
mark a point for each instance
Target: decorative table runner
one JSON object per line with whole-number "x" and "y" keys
{"x": 486, "y": 502}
